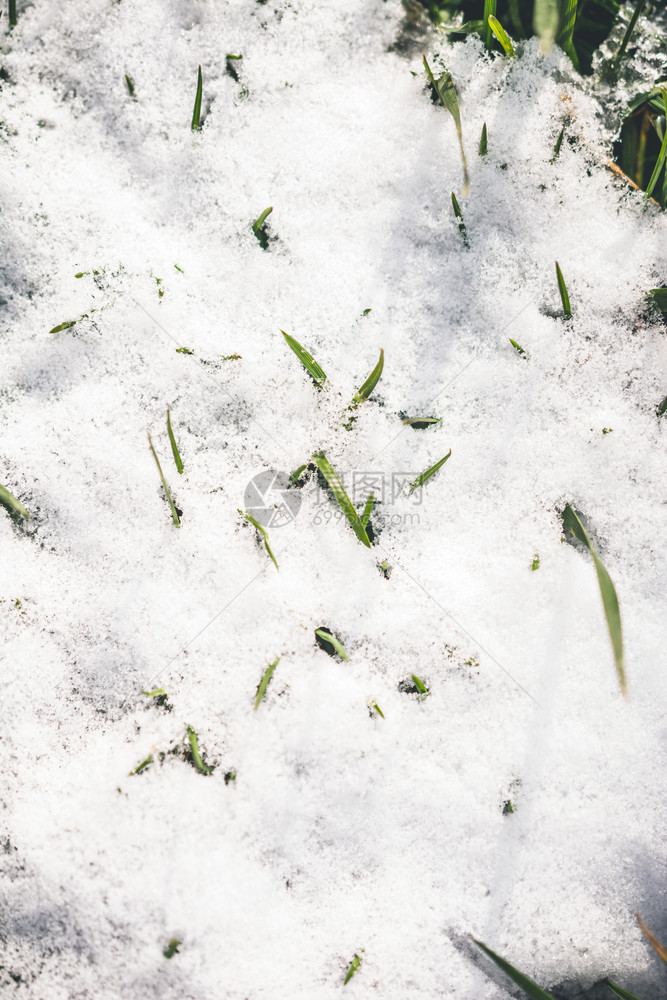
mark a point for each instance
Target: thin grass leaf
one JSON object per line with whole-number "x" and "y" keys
{"x": 419, "y": 684}
{"x": 620, "y": 992}
{"x": 172, "y": 948}
{"x": 174, "y": 446}
{"x": 366, "y": 389}
{"x": 424, "y": 476}
{"x": 329, "y": 637}
{"x": 341, "y": 496}
{"x": 501, "y": 35}
{"x": 264, "y": 683}
{"x": 518, "y": 349}
{"x": 130, "y": 86}
{"x": 142, "y": 767}
{"x": 155, "y": 693}
{"x": 174, "y": 512}
{"x": 307, "y": 360}
{"x": 652, "y": 940}
{"x": 628, "y": 33}
{"x": 483, "y": 144}
{"x": 546, "y": 19}
{"x": 467, "y": 28}
{"x": 196, "y": 111}
{"x": 368, "y": 509}
{"x": 63, "y": 326}
{"x": 566, "y": 30}
{"x": 259, "y": 222}
{"x": 13, "y": 20}
{"x": 353, "y": 968}
{"x": 660, "y": 162}
{"x": 529, "y": 987}
{"x": 559, "y": 143}
{"x": 296, "y": 475}
{"x": 10, "y": 501}
{"x": 376, "y": 708}
{"x": 661, "y": 408}
{"x": 195, "y": 754}
{"x": 564, "y": 297}
{"x": 263, "y": 532}
{"x": 610, "y": 605}
{"x": 459, "y": 221}
{"x": 489, "y": 11}
{"x": 444, "y": 88}
{"x": 421, "y": 422}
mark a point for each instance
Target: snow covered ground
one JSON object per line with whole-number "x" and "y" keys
{"x": 342, "y": 830}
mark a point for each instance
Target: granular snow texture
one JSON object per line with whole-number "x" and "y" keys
{"x": 343, "y": 832}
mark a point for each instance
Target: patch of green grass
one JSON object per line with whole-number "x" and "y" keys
{"x": 10, "y": 501}
{"x": 444, "y": 88}
{"x": 259, "y": 229}
{"x": 195, "y": 755}
{"x": 483, "y": 141}
{"x": 344, "y": 502}
{"x": 174, "y": 446}
{"x": 172, "y": 948}
{"x": 352, "y": 969}
{"x": 264, "y": 534}
{"x": 264, "y": 683}
{"x": 317, "y": 374}
{"x": 459, "y": 220}
{"x": 326, "y": 638}
{"x": 501, "y": 35}
{"x": 573, "y": 526}
{"x": 562, "y": 288}
{"x": 196, "y": 111}
{"x": 174, "y": 512}
{"x": 425, "y": 476}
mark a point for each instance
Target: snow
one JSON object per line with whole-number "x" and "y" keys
{"x": 343, "y": 831}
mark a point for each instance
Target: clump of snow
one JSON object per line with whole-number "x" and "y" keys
{"x": 343, "y": 832}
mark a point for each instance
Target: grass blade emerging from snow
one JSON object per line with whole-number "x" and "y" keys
{"x": 368, "y": 509}
{"x": 566, "y": 30}
{"x": 10, "y": 501}
{"x": 559, "y": 143}
{"x": 196, "y": 111}
{"x": 196, "y": 755}
{"x": 174, "y": 446}
{"x": 459, "y": 220}
{"x": 307, "y": 360}
{"x": 573, "y": 525}
{"x": 353, "y": 968}
{"x": 370, "y": 383}
{"x": 264, "y": 683}
{"x": 444, "y": 88}
{"x": 344, "y": 502}
{"x": 529, "y": 987}
{"x": 174, "y": 512}
{"x": 330, "y": 638}
{"x": 259, "y": 230}
{"x": 564, "y": 297}
{"x": 263, "y": 532}
{"x": 501, "y": 35}
{"x": 660, "y": 162}
{"x": 424, "y": 476}
{"x": 483, "y": 142}
{"x": 172, "y": 948}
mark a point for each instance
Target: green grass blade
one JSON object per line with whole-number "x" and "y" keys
{"x": 559, "y": 143}
{"x": 661, "y": 158}
{"x": 341, "y": 496}
{"x": 129, "y": 82}
{"x": 259, "y": 230}
{"x": 562, "y": 288}
{"x": 519, "y": 349}
{"x": 659, "y": 297}
{"x": 546, "y": 19}
{"x": 13, "y": 20}
{"x": 489, "y": 11}
{"x": 376, "y": 708}
{"x": 174, "y": 512}
{"x": 620, "y": 992}
{"x": 307, "y": 360}
{"x": 196, "y": 111}
{"x": 174, "y": 446}
{"x": 155, "y": 693}
{"x": 608, "y": 594}
{"x": 10, "y": 501}
{"x": 483, "y": 144}
{"x": 501, "y": 35}
{"x": 529, "y": 987}
{"x": 566, "y": 30}
{"x": 353, "y": 968}
{"x": 265, "y": 536}
{"x": 444, "y": 88}
{"x": 296, "y": 475}
{"x": 329, "y": 637}
{"x": 195, "y": 754}
{"x": 459, "y": 220}
{"x": 63, "y": 326}
{"x": 264, "y": 683}
{"x": 421, "y": 422}
{"x": 370, "y": 383}
{"x": 628, "y": 32}
{"x": 368, "y": 509}
{"x": 172, "y": 948}
{"x": 424, "y": 476}
{"x": 142, "y": 767}
{"x": 419, "y": 684}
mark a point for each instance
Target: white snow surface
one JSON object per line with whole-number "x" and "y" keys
{"x": 343, "y": 831}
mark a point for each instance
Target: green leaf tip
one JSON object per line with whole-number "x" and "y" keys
{"x": 501, "y": 35}
{"x": 446, "y": 91}
{"x": 196, "y": 111}
{"x": 424, "y": 476}
{"x": 529, "y": 987}
{"x": 172, "y": 948}
{"x": 174, "y": 447}
{"x": 307, "y": 360}
{"x": 328, "y": 637}
{"x": 264, "y": 533}
{"x": 10, "y": 501}
{"x": 264, "y": 683}
{"x": 366, "y": 389}
{"x": 63, "y": 326}
{"x": 459, "y": 220}
{"x": 344, "y": 502}
{"x": 483, "y": 141}
{"x": 352, "y": 969}
{"x": 196, "y": 755}
{"x": 564, "y": 297}
{"x": 174, "y": 513}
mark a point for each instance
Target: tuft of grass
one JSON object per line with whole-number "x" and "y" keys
{"x": 564, "y": 297}
{"x": 424, "y": 476}
{"x": 174, "y": 512}
{"x": 344, "y": 502}
{"x": 196, "y": 755}
{"x": 529, "y": 987}
{"x": 263, "y": 532}
{"x": 196, "y": 111}
{"x": 573, "y": 525}
{"x": 489, "y": 11}
{"x": 501, "y": 35}
{"x": 518, "y": 349}
{"x": 264, "y": 683}
{"x": 459, "y": 220}
{"x": 63, "y": 326}
{"x": 129, "y": 82}
{"x": 652, "y": 940}
{"x": 317, "y": 374}
{"x": 172, "y": 948}
{"x": 174, "y": 447}
{"x": 259, "y": 228}
{"x": 559, "y": 143}
{"x": 352, "y": 969}
{"x": 330, "y": 639}
{"x": 142, "y": 767}
{"x": 10, "y": 501}
{"x": 444, "y": 88}
{"x": 662, "y": 156}
{"x": 366, "y": 389}
{"x": 483, "y": 143}
{"x": 628, "y": 33}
